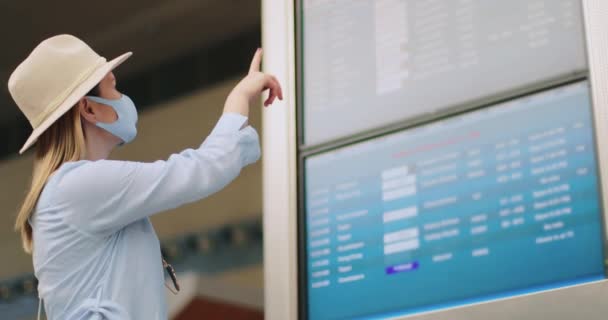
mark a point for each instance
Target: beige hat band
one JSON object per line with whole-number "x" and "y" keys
{"x": 55, "y": 103}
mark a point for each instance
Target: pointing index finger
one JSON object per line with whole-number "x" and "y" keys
{"x": 255, "y": 62}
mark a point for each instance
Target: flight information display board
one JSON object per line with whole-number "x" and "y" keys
{"x": 366, "y": 64}
{"x": 496, "y": 202}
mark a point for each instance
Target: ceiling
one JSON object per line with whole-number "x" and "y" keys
{"x": 155, "y": 30}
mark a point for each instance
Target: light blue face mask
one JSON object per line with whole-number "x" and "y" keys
{"x": 125, "y": 127}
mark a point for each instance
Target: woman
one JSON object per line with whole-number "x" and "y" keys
{"x": 85, "y": 218}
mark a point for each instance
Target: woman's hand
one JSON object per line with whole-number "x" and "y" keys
{"x": 248, "y": 90}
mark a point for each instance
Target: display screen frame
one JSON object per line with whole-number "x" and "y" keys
{"x": 399, "y": 123}
{"x": 304, "y": 151}
{"x": 302, "y": 218}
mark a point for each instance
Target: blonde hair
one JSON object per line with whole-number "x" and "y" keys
{"x": 63, "y": 141}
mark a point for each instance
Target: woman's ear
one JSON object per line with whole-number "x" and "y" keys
{"x": 87, "y": 110}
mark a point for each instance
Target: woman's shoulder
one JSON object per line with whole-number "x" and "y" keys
{"x": 86, "y": 176}
{"x": 66, "y": 170}
{"x": 56, "y": 187}
{"x": 83, "y": 168}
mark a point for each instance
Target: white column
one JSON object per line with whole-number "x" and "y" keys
{"x": 279, "y": 165}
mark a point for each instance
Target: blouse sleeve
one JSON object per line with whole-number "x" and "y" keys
{"x": 104, "y": 196}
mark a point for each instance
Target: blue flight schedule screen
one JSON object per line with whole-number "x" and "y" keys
{"x": 496, "y": 202}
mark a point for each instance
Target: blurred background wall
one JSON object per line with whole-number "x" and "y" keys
{"x": 188, "y": 54}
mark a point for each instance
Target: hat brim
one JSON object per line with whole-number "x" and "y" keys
{"x": 79, "y": 92}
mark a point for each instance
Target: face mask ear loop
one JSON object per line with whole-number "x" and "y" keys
{"x": 117, "y": 115}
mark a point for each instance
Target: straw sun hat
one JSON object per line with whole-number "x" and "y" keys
{"x": 50, "y": 81}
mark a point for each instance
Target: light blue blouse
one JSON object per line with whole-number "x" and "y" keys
{"x": 95, "y": 253}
